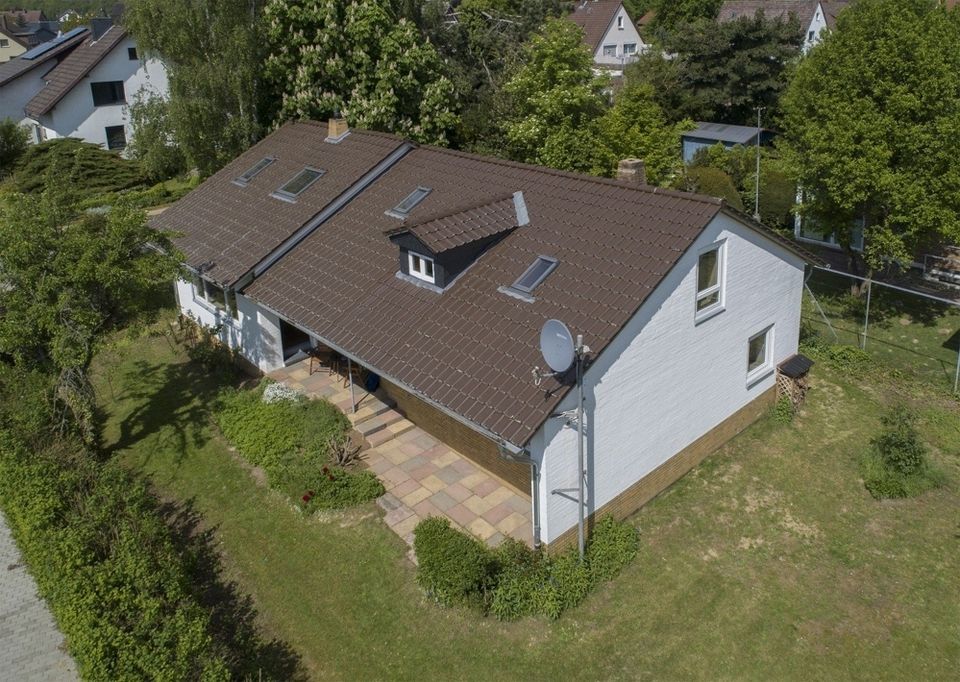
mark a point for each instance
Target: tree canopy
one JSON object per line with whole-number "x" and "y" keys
{"x": 722, "y": 72}
{"x": 872, "y": 126}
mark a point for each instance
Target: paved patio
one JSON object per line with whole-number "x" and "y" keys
{"x": 423, "y": 476}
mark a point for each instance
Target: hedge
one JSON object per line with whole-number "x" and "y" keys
{"x": 105, "y": 561}
{"x": 514, "y": 581}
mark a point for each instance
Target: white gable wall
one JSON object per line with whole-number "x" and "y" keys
{"x": 619, "y": 37}
{"x": 818, "y": 24}
{"x": 75, "y": 115}
{"x": 15, "y": 94}
{"x": 665, "y": 381}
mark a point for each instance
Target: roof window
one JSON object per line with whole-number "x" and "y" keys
{"x": 535, "y": 274}
{"x": 402, "y": 210}
{"x": 252, "y": 172}
{"x": 298, "y": 184}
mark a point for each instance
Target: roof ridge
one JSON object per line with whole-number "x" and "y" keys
{"x": 441, "y": 214}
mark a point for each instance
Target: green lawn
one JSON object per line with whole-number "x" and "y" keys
{"x": 770, "y": 561}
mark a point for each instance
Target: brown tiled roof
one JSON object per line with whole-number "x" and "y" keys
{"x": 772, "y": 9}
{"x": 230, "y": 228}
{"x": 72, "y": 70}
{"x": 831, "y": 8}
{"x": 19, "y": 66}
{"x": 471, "y": 348}
{"x": 461, "y": 227}
{"x": 594, "y": 17}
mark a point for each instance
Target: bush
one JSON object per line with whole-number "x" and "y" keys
{"x": 82, "y": 164}
{"x": 848, "y": 359}
{"x": 106, "y": 563}
{"x": 454, "y": 568}
{"x": 338, "y": 488}
{"x": 783, "y": 410}
{"x": 896, "y": 465}
{"x": 280, "y": 392}
{"x": 713, "y": 182}
{"x": 14, "y": 140}
{"x": 613, "y": 544}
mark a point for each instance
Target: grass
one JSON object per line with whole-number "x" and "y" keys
{"x": 914, "y": 335}
{"x": 770, "y": 560}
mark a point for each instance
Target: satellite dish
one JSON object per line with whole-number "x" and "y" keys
{"x": 556, "y": 344}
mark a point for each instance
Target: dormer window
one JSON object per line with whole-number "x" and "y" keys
{"x": 421, "y": 267}
{"x": 253, "y": 171}
{"x": 402, "y": 210}
{"x": 298, "y": 184}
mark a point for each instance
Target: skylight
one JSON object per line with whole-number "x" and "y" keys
{"x": 535, "y": 274}
{"x": 402, "y": 210}
{"x": 298, "y": 183}
{"x": 252, "y": 172}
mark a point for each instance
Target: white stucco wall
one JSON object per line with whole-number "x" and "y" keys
{"x": 619, "y": 37}
{"x": 15, "y": 95}
{"x": 818, "y": 24}
{"x": 256, "y": 333}
{"x": 665, "y": 380}
{"x": 76, "y": 116}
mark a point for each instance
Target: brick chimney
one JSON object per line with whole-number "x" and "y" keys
{"x": 632, "y": 170}
{"x": 337, "y": 128}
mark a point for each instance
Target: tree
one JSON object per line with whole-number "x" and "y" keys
{"x": 722, "y": 72}
{"x": 214, "y": 52}
{"x": 872, "y": 127}
{"x": 91, "y": 166}
{"x": 69, "y": 279}
{"x": 672, "y": 13}
{"x": 555, "y": 103}
{"x": 362, "y": 59}
{"x": 14, "y": 139}
{"x": 154, "y": 142}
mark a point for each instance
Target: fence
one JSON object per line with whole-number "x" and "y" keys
{"x": 914, "y": 332}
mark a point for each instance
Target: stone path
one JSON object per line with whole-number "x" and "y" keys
{"x": 31, "y": 647}
{"x": 422, "y": 475}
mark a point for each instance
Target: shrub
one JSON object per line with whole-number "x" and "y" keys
{"x": 280, "y": 392}
{"x": 454, "y": 568}
{"x": 521, "y": 578}
{"x": 337, "y": 488}
{"x": 783, "y": 410}
{"x": 714, "y": 182}
{"x": 613, "y": 544}
{"x": 899, "y": 444}
{"x": 848, "y": 359}
{"x": 14, "y": 141}
{"x": 81, "y": 163}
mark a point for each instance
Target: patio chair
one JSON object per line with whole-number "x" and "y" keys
{"x": 323, "y": 356}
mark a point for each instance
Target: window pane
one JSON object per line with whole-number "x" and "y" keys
{"x": 609, "y": 50}
{"x": 259, "y": 166}
{"x": 708, "y": 270}
{"x": 116, "y": 137}
{"x": 757, "y": 352}
{"x": 708, "y": 301}
{"x": 535, "y": 274}
{"x": 416, "y": 263}
{"x": 302, "y": 180}
{"x": 412, "y": 199}
{"x": 428, "y": 268}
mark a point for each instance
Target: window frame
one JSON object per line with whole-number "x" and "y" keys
{"x": 552, "y": 264}
{"x": 244, "y": 178}
{"x": 291, "y": 197}
{"x": 629, "y": 53}
{"x": 114, "y": 87}
{"x": 4, "y": 42}
{"x": 421, "y": 273}
{"x": 701, "y": 314}
{"x": 765, "y": 368}
{"x": 132, "y": 54}
{"x": 620, "y": 22}
{"x": 123, "y": 130}
{"x": 398, "y": 212}
{"x": 604, "y": 51}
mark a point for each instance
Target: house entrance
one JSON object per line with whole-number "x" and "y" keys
{"x": 295, "y": 341}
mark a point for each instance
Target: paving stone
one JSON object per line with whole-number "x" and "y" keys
{"x": 405, "y": 488}
{"x": 416, "y": 496}
{"x": 500, "y": 495}
{"x": 477, "y": 505}
{"x": 449, "y": 475}
{"x": 442, "y": 501}
{"x": 406, "y": 526}
{"x": 498, "y": 513}
{"x": 481, "y": 529}
{"x": 395, "y": 476}
{"x": 457, "y": 492}
{"x": 399, "y": 514}
{"x": 426, "y": 509}
{"x": 433, "y": 483}
{"x": 460, "y": 515}
{"x": 512, "y": 522}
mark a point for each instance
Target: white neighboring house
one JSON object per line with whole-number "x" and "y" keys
{"x": 815, "y": 16}
{"x": 610, "y": 33}
{"x": 88, "y": 94}
{"x": 22, "y": 77}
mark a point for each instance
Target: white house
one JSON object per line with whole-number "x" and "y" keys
{"x": 609, "y": 32}
{"x": 89, "y": 93}
{"x": 22, "y": 77}
{"x": 815, "y": 16}
{"x": 436, "y": 271}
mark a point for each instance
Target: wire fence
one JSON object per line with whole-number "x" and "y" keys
{"x": 914, "y": 332}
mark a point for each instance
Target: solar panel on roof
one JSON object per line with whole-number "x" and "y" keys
{"x": 43, "y": 48}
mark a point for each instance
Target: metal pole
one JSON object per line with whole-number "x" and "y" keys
{"x": 582, "y": 472}
{"x": 353, "y": 402}
{"x": 956, "y": 377}
{"x": 866, "y": 317}
{"x": 756, "y": 205}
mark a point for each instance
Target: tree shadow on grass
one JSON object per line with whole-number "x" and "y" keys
{"x": 232, "y": 613}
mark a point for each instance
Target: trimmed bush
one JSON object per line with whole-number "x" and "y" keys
{"x": 454, "y": 568}
{"x": 82, "y": 164}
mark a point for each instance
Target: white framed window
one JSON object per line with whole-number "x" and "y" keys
{"x": 620, "y": 22}
{"x": 711, "y": 275}
{"x": 760, "y": 355}
{"x": 421, "y": 267}
{"x": 629, "y": 49}
{"x": 609, "y": 50}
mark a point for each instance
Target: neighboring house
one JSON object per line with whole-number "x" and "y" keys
{"x": 30, "y": 27}
{"x": 22, "y": 78}
{"x": 815, "y": 16}
{"x": 10, "y": 44}
{"x": 609, "y": 32}
{"x": 88, "y": 94}
{"x": 436, "y": 269}
{"x": 708, "y": 134}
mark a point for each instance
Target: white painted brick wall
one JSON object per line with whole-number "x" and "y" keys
{"x": 665, "y": 381}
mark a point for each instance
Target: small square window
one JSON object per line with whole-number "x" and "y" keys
{"x": 4, "y": 42}
{"x": 759, "y": 353}
{"x": 132, "y": 54}
{"x": 215, "y": 295}
{"x": 609, "y": 50}
{"x": 421, "y": 267}
{"x": 116, "y": 137}
{"x": 629, "y": 49}
{"x": 710, "y": 278}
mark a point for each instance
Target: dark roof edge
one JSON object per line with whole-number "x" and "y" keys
{"x": 772, "y": 235}
{"x": 486, "y": 433}
{"x": 83, "y": 74}
{"x": 328, "y": 211}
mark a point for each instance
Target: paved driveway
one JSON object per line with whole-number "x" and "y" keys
{"x": 31, "y": 647}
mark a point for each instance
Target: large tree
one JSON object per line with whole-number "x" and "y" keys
{"x": 722, "y": 72}
{"x": 361, "y": 58}
{"x": 214, "y": 52}
{"x": 872, "y": 127}
{"x": 69, "y": 279}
